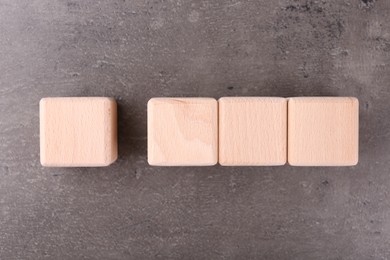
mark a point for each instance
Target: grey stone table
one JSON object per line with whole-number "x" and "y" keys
{"x": 137, "y": 49}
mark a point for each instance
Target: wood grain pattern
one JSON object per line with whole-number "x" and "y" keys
{"x": 323, "y": 131}
{"x": 252, "y": 131}
{"x": 182, "y": 131}
{"x": 78, "y": 131}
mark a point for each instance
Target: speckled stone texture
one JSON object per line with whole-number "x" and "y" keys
{"x": 135, "y": 50}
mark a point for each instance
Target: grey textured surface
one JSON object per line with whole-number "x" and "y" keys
{"x": 135, "y": 50}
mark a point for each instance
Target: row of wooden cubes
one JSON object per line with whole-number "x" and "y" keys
{"x": 253, "y": 131}
{"x": 306, "y": 131}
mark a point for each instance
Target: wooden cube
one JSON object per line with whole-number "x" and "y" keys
{"x": 323, "y": 131}
{"x": 182, "y": 131}
{"x": 78, "y": 131}
{"x": 252, "y": 131}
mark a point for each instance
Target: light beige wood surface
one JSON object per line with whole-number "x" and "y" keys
{"x": 78, "y": 131}
{"x": 252, "y": 131}
{"x": 182, "y": 131}
{"x": 323, "y": 131}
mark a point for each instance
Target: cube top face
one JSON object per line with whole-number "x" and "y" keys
{"x": 78, "y": 131}
{"x": 252, "y": 131}
{"x": 323, "y": 131}
{"x": 182, "y": 131}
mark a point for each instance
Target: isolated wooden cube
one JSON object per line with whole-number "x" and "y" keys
{"x": 323, "y": 131}
{"x": 78, "y": 131}
{"x": 252, "y": 131}
{"x": 182, "y": 131}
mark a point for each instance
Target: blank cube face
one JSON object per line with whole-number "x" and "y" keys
{"x": 252, "y": 131}
{"x": 77, "y": 132}
{"x": 323, "y": 131}
{"x": 182, "y": 131}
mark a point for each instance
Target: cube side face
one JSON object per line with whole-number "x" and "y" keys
{"x": 77, "y": 132}
{"x": 252, "y": 131}
{"x": 323, "y": 131}
{"x": 111, "y": 131}
{"x": 182, "y": 131}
